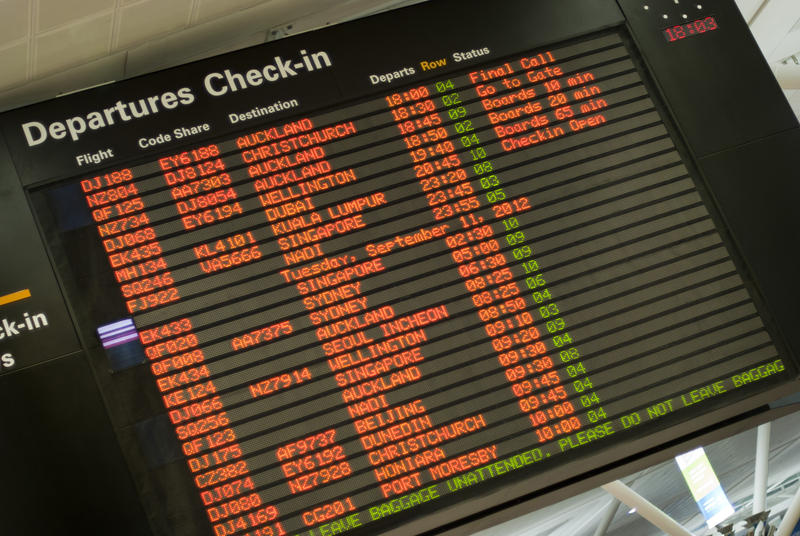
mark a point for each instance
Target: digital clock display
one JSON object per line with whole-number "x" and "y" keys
{"x": 689, "y": 29}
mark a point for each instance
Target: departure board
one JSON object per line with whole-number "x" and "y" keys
{"x": 356, "y": 315}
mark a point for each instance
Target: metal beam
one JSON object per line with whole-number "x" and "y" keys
{"x": 608, "y": 517}
{"x": 645, "y": 508}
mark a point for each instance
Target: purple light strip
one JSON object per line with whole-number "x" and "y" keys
{"x": 117, "y": 333}
{"x": 120, "y": 340}
{"x": 127, "y": 323}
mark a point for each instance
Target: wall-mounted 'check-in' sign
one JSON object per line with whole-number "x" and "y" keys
{"x": 23, "y": 322}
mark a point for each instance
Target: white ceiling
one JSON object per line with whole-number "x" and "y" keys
{"x": 51, "y": 47}
{"x": 43, "y": 37}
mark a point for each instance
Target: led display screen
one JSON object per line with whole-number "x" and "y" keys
{"x": 344, "y": 316}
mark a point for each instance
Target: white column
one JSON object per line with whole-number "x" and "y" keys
{"x": 791, "y": 517}
{"x": 646, "y": 509}
{"x": 761, "y": 471}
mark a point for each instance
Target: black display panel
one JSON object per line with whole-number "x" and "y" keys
{"x": 326, "y": 293}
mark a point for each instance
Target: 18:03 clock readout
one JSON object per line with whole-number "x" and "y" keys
{"x": 689, "y": 29}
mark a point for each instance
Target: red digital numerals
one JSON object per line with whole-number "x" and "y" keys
{"x": 313, "y": 461}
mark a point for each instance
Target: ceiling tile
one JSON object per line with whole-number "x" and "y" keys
{"x": 73, "y": 44}
{"x": 210, "y": 9}
{"x": 14, "y": 60}
{"x": 139, "y": 22}
{"x": 88, "y": 74}
{"x": 55, "y": 13}
{"x": 151, "y": 57}
{"x": 13, "y": 20}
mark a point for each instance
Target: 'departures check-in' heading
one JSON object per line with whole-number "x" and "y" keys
{"x": 216, "y": 84}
